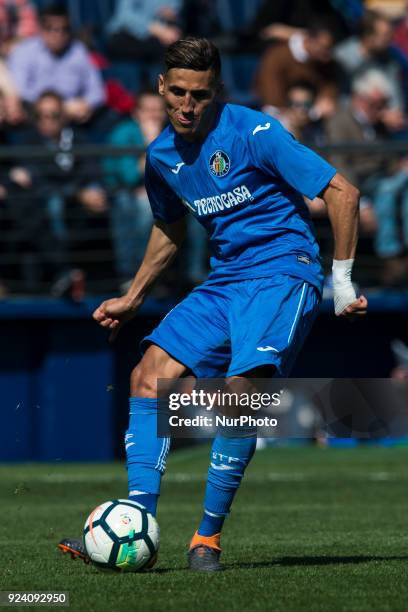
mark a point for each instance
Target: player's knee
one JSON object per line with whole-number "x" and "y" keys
{"x": 155, "y": 364}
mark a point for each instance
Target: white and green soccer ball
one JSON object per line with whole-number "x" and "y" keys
{"x": 121, "y": 535}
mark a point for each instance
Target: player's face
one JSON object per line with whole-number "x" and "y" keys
{"x": 189, "y": 96}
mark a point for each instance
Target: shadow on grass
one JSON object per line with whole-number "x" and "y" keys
{"x": 323, "y": 560}
{"x": 280, "y": 561}
{"x": 285, "y": 562}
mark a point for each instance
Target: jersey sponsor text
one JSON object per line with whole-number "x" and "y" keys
{"x": 222, "y": 201}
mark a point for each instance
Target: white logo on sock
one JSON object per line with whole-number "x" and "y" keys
{"x": 222, "y": 467}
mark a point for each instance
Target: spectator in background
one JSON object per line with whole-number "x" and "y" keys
{"x": 280, "y": 19}
{"x": 13, "y": 196}
{"x": 18, "y": 20}
{"x": 307, "y": 56}
{"x": 400, "y": 50}
{"x": 371, "y": 49}
{"x": 131, "y": 214}
{"x": 27, "y": 241}
{"x": 363, "y": 120}
{"x": 297, "y": 115}
{"x": 54, "y": 60}
{"x": 69, "y": 189}
{"x": 400, "y": 36}
{"x": 12, "y": 109}
{"x": 141, "y": 30}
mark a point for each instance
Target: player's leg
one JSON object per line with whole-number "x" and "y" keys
{"x": 188, "y": 338}
{"x": 146, "y": 452}
{"x": 231, "y": 453}
{"x": 184, "y": 340}
{"x": 270, "y": 320}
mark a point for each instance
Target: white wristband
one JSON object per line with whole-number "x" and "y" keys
{"x": 343, "y": 290}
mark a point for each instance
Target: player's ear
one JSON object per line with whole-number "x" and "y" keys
{"x": 160, "y": 84}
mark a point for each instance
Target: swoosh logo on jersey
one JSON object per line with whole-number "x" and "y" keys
{"x": 178, "y": 167}
{"x": 221, "y": 467}
{"x": 267, "y": 348}
{"x": 130, "y": 444}
{"x": 260, "y": 128}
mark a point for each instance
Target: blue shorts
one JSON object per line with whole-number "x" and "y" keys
{"x": 228, "y": 328}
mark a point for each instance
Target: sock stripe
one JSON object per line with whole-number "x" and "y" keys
{"x": 164, "y": 459}
{"x": 161, "y": 463}
{"x": 214, "y": 514}
{"x": 157, "y": 466}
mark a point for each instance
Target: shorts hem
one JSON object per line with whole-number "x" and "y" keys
{"x": 254, "y": 364}
{"x": 168, "y": 348}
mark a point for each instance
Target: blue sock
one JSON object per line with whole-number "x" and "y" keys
{"x": 148, "y": 500}
{"x": 229, "y": 458}
{"x": 211, "y": 524}
{"x": 146, "y": 453}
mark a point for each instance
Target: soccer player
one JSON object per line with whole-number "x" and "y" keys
{"x": 242, "y": 175}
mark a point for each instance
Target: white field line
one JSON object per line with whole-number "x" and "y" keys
{"x": 179, "y": 477}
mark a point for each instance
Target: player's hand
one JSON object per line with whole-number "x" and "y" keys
{"x": 356, "y": 309}
{"x": 113, "y": 314}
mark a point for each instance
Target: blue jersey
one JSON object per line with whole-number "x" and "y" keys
{"x": 244, "y": 183}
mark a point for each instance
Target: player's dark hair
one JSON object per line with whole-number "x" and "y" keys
{"x": 55, "y": 9}
{"x": 369, "y": 22}
{"x": 192, "y": 53}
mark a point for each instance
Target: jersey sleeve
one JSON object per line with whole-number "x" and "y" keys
{"x": 165, "y": 204}
{"x": 275, "y": 151}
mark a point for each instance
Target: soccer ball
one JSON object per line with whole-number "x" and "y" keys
{"x": 121, "y": 535}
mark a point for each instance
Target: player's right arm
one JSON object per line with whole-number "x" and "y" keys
{"x": 165, "y": 240}
{"x": 167, "y": 235}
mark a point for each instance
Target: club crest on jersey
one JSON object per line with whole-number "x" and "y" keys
{"x": 220, "y": 164}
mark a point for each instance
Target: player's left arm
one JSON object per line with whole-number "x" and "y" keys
{"x": 275, "y": 151}
{"x": 342, "y": 200}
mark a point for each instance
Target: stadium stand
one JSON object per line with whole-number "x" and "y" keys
{"x": 235, "y": 26}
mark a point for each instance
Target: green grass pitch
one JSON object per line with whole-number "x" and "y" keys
{"x": 311, "y": 529}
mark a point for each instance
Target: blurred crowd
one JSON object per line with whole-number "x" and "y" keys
{"x": 334, "y": 72}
